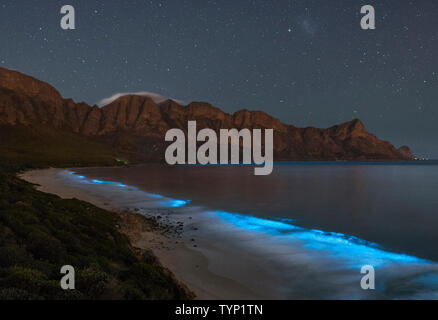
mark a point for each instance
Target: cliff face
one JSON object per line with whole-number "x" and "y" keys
{"x": 138, "y": 124}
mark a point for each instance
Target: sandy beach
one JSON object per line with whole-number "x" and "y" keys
{"x": 173, "y": 241}
{"x": 228, "y": 255}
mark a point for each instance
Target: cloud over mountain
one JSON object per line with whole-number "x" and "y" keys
{"x": 154, "y": 96}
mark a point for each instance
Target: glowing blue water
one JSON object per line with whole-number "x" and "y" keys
{"x": 171, "y": 203}
{"x": 354, "y": 251}
{"x": 275, "y": 219}
{"x": 166, "y": 202}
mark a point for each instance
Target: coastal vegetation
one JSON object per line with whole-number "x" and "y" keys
{"x": 39, "y": 232}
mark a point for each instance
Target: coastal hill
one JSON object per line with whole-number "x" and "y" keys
{"x": 134, "y": 126}
{"x": 41, "y": 232}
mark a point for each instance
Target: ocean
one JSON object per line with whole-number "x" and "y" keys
{"x": 316, "y": 223}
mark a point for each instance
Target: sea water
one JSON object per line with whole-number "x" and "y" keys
{"x": 321, "y": 221}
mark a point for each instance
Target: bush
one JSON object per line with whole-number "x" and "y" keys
{"x": 17, "y": 294}
{"x": 93, "y": 282}
{"x": 39, "y": 233}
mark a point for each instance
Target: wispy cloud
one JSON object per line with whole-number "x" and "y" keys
{"x": 154, "y": 96}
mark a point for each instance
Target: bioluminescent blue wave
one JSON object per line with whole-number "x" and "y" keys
{"x": 354, "y": 251}
{"x": 166, "y": 202}
{"x": 174, "y": 203}
{"x": 153, "y": 195}
{"x": 84, "y": 179}
{"x": 256, "y": 224}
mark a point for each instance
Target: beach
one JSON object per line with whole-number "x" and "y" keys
{"x": 174, "y": 249}
{"x": 223, "y": 254}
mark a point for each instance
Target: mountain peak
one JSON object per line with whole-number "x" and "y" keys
{"x": 357, "y": 124}
{"x": 138, "y": 123}
{"x": 34, "y": 88}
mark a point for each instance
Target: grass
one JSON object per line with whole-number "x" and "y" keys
{"x": 43, "y": 147}
{"x": 39, "y": 232}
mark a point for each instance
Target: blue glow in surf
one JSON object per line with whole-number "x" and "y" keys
{"x": 153, "y": 195}
{"x": 256, "y": 224}
{"x": 97, "y": 181}
{"x": 167, "y": 202}
{"x": 174, "y": 203}
{"x": 354, "y": 251}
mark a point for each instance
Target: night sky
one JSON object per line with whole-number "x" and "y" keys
{"x": 307, "y": 63}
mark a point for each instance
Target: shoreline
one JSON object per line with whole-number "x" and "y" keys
{"x": 169, "y": 241}
{"x": 230, "y": 256}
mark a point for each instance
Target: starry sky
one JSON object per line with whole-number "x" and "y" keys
{"x": 306, "y": 62}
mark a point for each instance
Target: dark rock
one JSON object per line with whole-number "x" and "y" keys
{"x": 139, "y": 125}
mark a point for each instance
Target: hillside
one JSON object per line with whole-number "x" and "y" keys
{"x": 40, "y": 232}
{"x": 134, "y": 126}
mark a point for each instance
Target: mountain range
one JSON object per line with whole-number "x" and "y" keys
{"x": 35, "y": 117}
